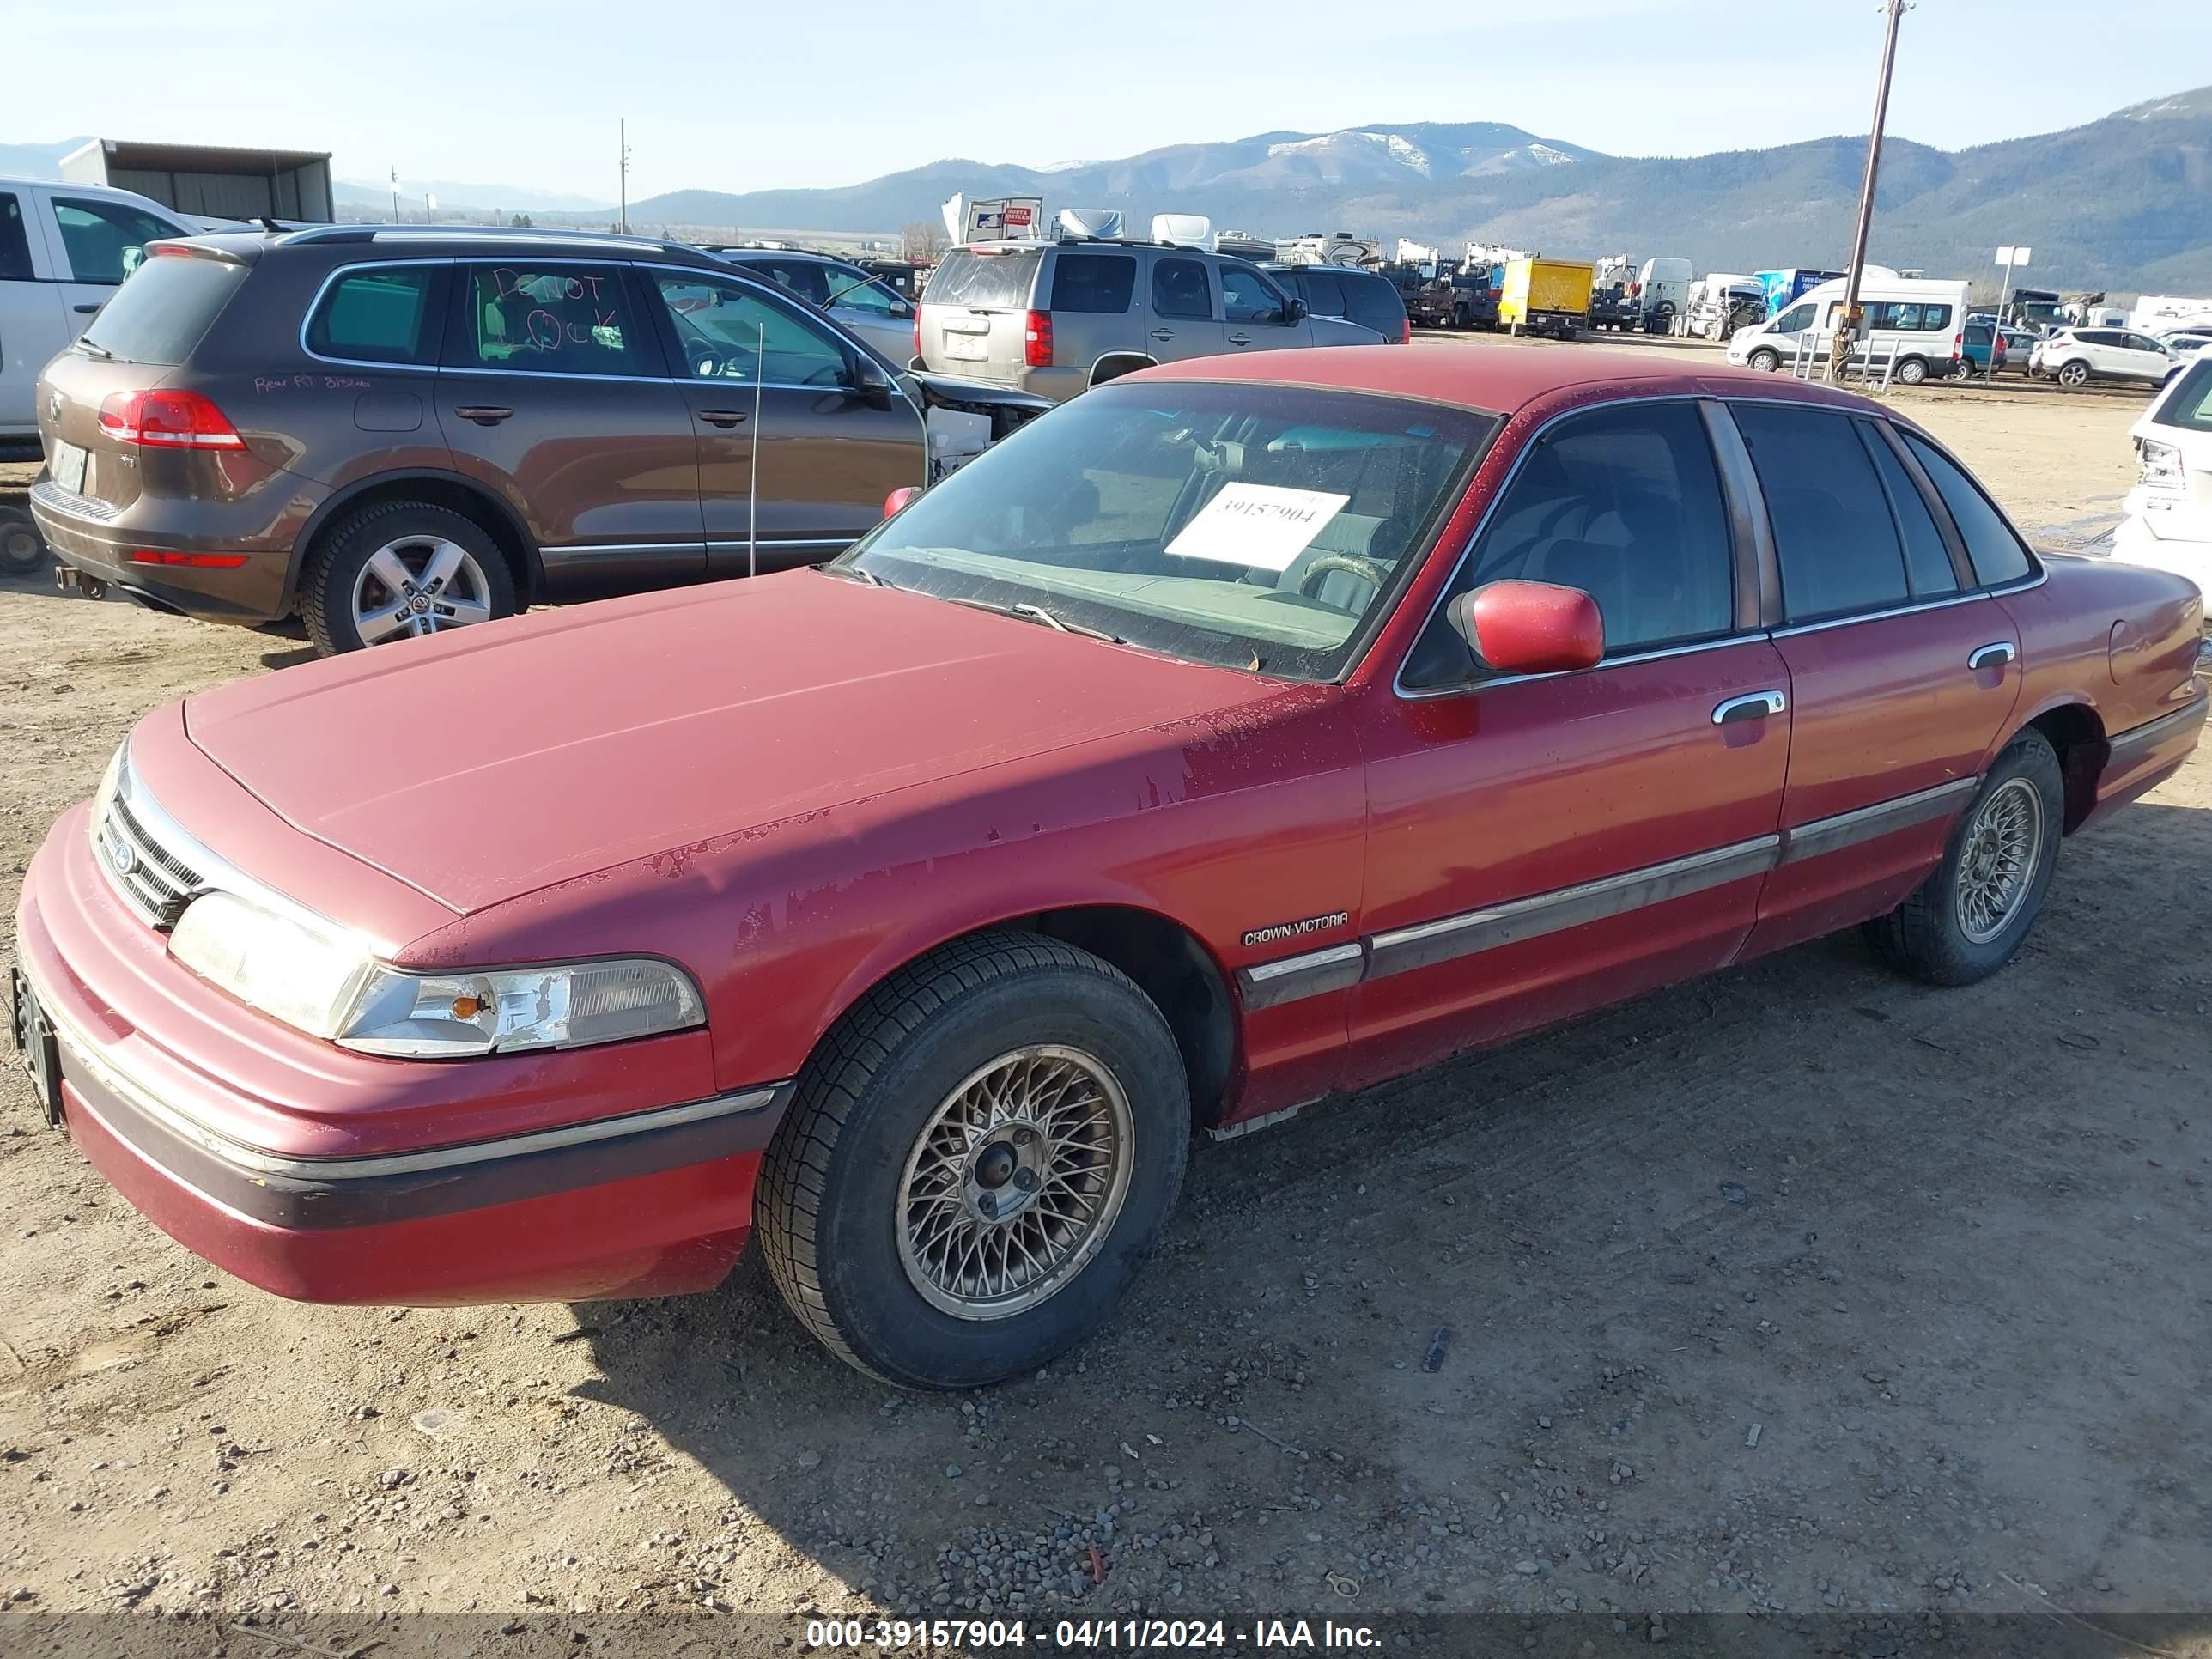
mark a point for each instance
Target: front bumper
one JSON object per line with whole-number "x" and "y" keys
{"x": 621, "y": 1197}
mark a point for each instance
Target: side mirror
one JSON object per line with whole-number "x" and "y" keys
{"x": 1295, "y": 311}
{"x": 871, "y": 385}
{"x": 1530, "y": 627}
{"x": 896, "y": 502}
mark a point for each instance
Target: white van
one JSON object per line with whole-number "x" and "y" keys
{"x": 1921, "y": 321}
{"x": 64, "y": 249}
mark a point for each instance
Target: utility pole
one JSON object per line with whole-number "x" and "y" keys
{"x": 1847, "y": 322}
{"x": 394, "y": 169}
{"x": 622, "y": 136}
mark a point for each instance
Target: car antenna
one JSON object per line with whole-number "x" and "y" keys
{"x": 752, "y": 472}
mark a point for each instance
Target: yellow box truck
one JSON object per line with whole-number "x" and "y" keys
{"x": 1545, "y": 296}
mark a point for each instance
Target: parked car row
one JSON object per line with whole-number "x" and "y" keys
{"x": 1247, "y": 730}
{"x": 394, "y": 432}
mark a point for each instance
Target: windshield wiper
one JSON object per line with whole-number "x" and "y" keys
{"x": 92, "y": 350}
{"x": 1032, "y": 612}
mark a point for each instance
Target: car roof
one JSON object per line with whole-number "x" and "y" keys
{"x": 1497, "y": 379}
{"x": 459, "y": 241}
{"x": 743, "y": 254}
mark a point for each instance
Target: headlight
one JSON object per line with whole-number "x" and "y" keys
{"x": 427, "y": 1016}
{"x": 2161, "y": 465}
{"x": 323, "y": 983}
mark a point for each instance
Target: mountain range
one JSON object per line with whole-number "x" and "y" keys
{"x": 2123, "y": 203}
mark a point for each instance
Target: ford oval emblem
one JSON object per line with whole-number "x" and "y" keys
{"x": 123, "y": 856}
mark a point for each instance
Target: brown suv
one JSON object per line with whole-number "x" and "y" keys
{"x": 393, "y": 432}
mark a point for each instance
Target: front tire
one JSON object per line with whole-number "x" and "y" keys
{"x": 1763, "y": 360}
{"x": 399, "y": 570}
{"x": 1969, "y": 917}
{"x": 22, "y": 549}
{"x": 981, "y": 1156}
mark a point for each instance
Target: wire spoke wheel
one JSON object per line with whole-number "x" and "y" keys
{"x": 1014, "y": 1181}
{"x": 1997, "y": 865}
{"x": 418, "y": 585}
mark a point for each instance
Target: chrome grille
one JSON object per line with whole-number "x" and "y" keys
{"x": 154, "y": 880}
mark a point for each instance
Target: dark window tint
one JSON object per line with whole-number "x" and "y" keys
{"x": 1623, "y": 503}
{"x": 160, "y": 314}
{"x": 2189, "y": 404}
{"x": 2098, "y": 336}
{"x": 388, "y": 316}
{"x": 1249, "y": 297}
{"x": 14, "y": 241}
{"x": 1832, "y": 532}
{"x": 1373, "y": 303}
{"x": 1101, "y": 283}
{"x": 1179, "y": 290}
{"x": 105, "y": 240}
{"x": 800, "y": 276}
{"x": 985, "y": 282}
{"x": 1323, "y": 291}
{"x": 1927, "y": 561}
{"x": 1997, "y": 553}
{"x": 1908, "y": 316}
{"x": 549, "y": 319}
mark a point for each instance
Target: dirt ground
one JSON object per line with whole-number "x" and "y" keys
{"x": 1800, "y": 1288}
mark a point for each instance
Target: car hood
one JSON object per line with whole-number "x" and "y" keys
{"x": 486, "y": 763}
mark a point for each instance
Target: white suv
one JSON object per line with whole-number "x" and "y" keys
{"x": 2074, "y": 357}
{"x": 64, "y": 249}
{"x": 2169, "y": 512}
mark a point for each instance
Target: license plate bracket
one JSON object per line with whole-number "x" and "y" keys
{"x": 36, "y": 1043}
{"x": 69, "y": 467}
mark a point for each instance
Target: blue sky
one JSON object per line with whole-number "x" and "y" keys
{"x": 737, "y": 95}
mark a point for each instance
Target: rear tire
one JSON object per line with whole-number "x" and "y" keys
{"x": 347, "y": 606}
{"x": 1969, "y": 917}
{"x": 1911, "y": 372}
{"x": 2075, "y": 374}
{"x": 868, "y": 1210}
{"x": 22, "y": 549}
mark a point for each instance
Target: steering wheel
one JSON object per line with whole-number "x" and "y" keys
{"x": 1351, "y": 564}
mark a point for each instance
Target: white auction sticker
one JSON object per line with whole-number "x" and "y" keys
{"x": 1259, "y": 525}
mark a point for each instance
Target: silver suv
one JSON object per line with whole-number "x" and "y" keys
{"x": 1055, "y": 318}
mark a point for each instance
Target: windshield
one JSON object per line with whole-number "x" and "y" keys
{"x": 1256, "y": 526}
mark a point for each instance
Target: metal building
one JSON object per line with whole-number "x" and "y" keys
{"x": 212, "y": 179}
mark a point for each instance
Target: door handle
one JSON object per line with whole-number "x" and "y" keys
{"x": 1164, "y": 334}
{"x": 1994, "y": 655}
{"x": 1239, "y": 339}
{"x": 88, "y": 308}
{"x": 723, "y": 418}
{"x": 483, "y": 414}
{"x": 1752, "y": 706}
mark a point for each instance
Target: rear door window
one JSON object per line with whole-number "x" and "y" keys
{"x": 1179, "y": 289}
{"x": 1927, "y": 560}
{"x": 1099, "y": 284}
{"x": 14, "y": 241}
{"x": 389, "y": 315}
{"x": 984, "y": 282}
{"x": 1374, "y": 303}
{"x": 549, "y": 319}
{"x": 1833, "y": 535}
{"x": 160, "y": 314}
{"x": 1994, "y": 551}
{"x": 1324, "y": 292}
{"x": 105, "y": 240}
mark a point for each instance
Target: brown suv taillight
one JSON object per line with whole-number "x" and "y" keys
{"x": 168, "y": 420}
{"x": 1037, "y": 339}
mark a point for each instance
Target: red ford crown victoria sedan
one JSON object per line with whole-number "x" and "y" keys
{"x": 1241, "y": 732}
